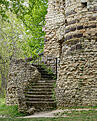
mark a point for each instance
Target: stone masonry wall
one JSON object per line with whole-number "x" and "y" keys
{"x": 71, "y": 35}
{"x": 21, "y": 75}
{"x": 80, "y": 21}
{"x": 77, "y": 80}
{"x": 54, "y": 28}
{"x": 77, "y": 77}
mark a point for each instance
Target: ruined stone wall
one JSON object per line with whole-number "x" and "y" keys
{"x": 71, "y": 35}
{"x": 77, "y": 77}
{"x": 54, "y": 28}
{"x": 21, "y": 75}
{"x": 81, "y": 20}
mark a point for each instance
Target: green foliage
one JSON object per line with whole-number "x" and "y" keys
{"x": 3, "y": 8}
{"x": 54, "y": 93}
{"x": 9, "y": 111}
{"x": 10, "y": 45}
{"x": 32, "y": 13}
{"x": 47, "y": 69}
{"x": 34, "y": 20}
{"x": 21, "y": 23}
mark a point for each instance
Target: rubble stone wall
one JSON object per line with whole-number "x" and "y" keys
{"x": 71, "y": 36}
{"x": 74, "y": 41}
{"x": 77, "y": 75}
{"x": 54, "y": 27}
{"x": 21, "y": 75}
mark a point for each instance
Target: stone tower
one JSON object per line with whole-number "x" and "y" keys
{"x": 71, "y": 35}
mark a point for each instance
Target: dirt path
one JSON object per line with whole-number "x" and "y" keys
{"x": 55, "y": 113}
{"x": 44, "y": 114}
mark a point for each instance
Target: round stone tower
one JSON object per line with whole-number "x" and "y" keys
{"x": 81, "y": 19}
{"x": 77, "y": 76}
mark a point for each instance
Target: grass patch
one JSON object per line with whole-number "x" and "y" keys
{"x": 9, "y": 111}
{"x": 75, "y": 118}
{"x": 83, "y": 115}
{"x": 79, "y": 107}
{"x": 11, "y": 114}
{"x": 90, "y": 115}
{"x": 34, "y": 119}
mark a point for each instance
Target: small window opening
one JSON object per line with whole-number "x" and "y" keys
{"x": 84, "y": 4}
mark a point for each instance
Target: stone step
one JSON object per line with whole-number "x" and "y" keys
{"x": 41, "y": 106}
{"x": 43, "y": 78}
{"x": 44, "y": 71}
{"x": 35, "y": 92}
{"x": 39, "y": 93}
{"x": 41, "y": 102}
{"x": 42, "y": 86}
{"x": 41, "y": 82}
{"x": 46, "y": 81}
{"x": 39, "y": 99}
{"x": 38, "y": 90}
{"x": 45, "y": 74}
{"x": 38, "y": 96}
{"x": 46, "y": 78}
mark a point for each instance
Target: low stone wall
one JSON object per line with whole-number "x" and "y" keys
{"x": 21, "y": 75}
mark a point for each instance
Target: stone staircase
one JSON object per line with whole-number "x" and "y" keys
{"x": 44, "y": 74}
{"x": 41, "y": 94}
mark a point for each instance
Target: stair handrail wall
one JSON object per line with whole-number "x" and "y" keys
{"x": 48, "y": 61}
